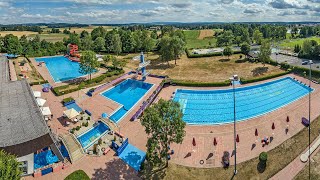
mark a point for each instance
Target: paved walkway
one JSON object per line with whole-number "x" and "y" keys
{"x": 293, "y": 169}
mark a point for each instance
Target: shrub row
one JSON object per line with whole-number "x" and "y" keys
{"x": 245, "y": 81}
{"x": 68, "y": 99}
{"x": 201, "y": 84}
{"x": 87, "y": 83}
{"x": 190, "y": 55}
{"x": 38, "y": 82}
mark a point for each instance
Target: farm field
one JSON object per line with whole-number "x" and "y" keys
{"x": 78, "y": 30}
{"x": 208, "y": 69}
{"x": 51, "y": 37}
{"x": 18, "y": 33}
{"x": 194, "y": 41}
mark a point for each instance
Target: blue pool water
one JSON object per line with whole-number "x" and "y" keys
{"x": 88, "y": 138}
{"x": 61, "y": 68}
{"x": 216, "y": 106}
{"x": 127, "y": 93}
{"x": 133, "y": 156}
{"x": 44, "y": 158}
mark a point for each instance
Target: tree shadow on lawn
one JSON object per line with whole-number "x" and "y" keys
{"x": 114, "y": 170}
{"x": 224, "y": 60}
{"x": 259, "y": 71}
{"x": 261, "y": 167}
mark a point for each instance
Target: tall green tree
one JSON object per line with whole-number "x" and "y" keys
{"x": 257, "y": 36}
{"x": 99, "y": 44}
{"x": 98, "y": 32}
{"x": 265, "y": 51}
{"x": 73, "y": 39}
{"x": 86, "y": 43}
{"x": 164, "y": 125}
{"x": 127, "y": 41}
{"x": 108, "y": 58}
{"x": 88, "y": 63}
{"x": 9, "y": 167}
{"x": 227, "y": 51}
{"x": 117, "y": 64}
{"x": 178, "y": 47}
{"x": 166, "y": 50}
{"x": 225, "y": 39}
{"x": 116, "y": 44}
{"x": 12, "y": 44}
{"x": 245, "y": 49}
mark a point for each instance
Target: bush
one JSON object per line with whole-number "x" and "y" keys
{"x": 85, "y": 124}
{"x": 201, "y": 84}
{"x": 263, "y": 156}
{"x": 72, "y": 130}
{"x": 68, "y": 99}
{"x": 78, "y": 128}
{"x": 38, "y": 82}
{"x": 190, "y": 55}
{"x": 246, "y": 81}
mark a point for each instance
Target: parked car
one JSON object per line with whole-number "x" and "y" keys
{"x": 305, "y": 62}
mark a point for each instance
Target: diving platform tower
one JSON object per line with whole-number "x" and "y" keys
{"x": 142, "y": 67}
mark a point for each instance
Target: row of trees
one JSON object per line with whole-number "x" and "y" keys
{"x": 32, "y": 47}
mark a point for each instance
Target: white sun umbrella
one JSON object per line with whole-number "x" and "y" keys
{"x": 45, "y": 111}
{"x": 37, "y": 94}
{"x": 71, "y": 113}
{"x": 40, "y": 101}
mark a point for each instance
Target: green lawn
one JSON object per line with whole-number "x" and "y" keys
{"x": 51, "y": 37}
{"x": 193, "y": 42}
{"x": 292, "y": 42}
{"x": 78, "y": 175}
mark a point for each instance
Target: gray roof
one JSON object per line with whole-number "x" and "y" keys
{"x": 20, "y": 118}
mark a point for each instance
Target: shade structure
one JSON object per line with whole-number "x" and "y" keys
{"x": 40, "y": 101}
{"x": 37, "y": 94}
{"x": 238, "y": 139}
{"x": 194, "y": 142}
{"x": 288, "y": 119}
{"x": 215, "y": 141}
{"x": 45, "y": 111}
{"x": 71, "y": 113}
{"x": 104, "y": 115}
{"x": 256, "y": 132}
{"x": 273, "y": 126}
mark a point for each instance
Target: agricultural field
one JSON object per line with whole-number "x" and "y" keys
{"x": 201, "y": 69}
{"x": 18, "y": 33}
{"x": 51, "y": 37}
{"x": 195, "y": 39}
{"x": 78, "y": 30}
{"x": 290, "y": 43}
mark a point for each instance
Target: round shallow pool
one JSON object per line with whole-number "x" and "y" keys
{"x": 202, "y": 107}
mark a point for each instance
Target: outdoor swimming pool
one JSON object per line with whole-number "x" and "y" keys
{"x": 216, "y": 106}
{"x": 88, "y": 138}
{"x": 61, "y": 68}
{"x": 127, "y": 93}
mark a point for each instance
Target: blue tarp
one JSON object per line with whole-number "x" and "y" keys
{"x": 74, "y": 106}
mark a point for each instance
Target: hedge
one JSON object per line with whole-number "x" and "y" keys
{"x": 68, "y": 99}
{"x": 64, "y": 89}
{"x": 190, "y": 55}
{"x": 201, "y": 84}
{"x": 38, "y": 82}
{"x": 246, "y": 81}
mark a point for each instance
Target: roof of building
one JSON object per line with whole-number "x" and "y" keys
{"x": 20, "y": 118}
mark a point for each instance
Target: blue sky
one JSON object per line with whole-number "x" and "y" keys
{"x": 117, "y": 11}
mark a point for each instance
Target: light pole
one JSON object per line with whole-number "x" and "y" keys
{"x": 233, "y": 79}
{"x": 309, "y": 127}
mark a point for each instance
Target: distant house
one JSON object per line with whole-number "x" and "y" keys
{"x": 23, "y": 130}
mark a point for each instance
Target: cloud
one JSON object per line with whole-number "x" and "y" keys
{"x": 181, "y": 5}
{"x": 252, "y": 11}
{"x": 227, "y": 1}
{"x": 293, "y": 13}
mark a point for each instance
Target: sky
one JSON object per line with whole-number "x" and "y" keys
{"x": 143, "y": 11}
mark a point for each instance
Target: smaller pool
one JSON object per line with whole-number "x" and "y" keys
{"x": 133, "y": 156}
{"x": 44, "y": 158}
{"x": 88, "y": 138}
{"x": 127, "y": 93}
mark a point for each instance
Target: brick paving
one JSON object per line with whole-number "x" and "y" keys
{"x": 203, "y": 135}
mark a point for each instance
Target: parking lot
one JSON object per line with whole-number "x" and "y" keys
{"x": 295, "y": 61}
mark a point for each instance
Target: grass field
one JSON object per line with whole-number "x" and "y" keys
{"x": 18, "y": 33}
{"x": 78, "y": 30}
{"x": 208, "y": 69}
{"x": 278, "y": 158}
{"x": 51, "y": 37}
{"x": 315, "y": 169}
{"x": 194, "y": 41}
{"x": 290, "y": 43}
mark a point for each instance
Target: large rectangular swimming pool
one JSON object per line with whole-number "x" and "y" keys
{"x": 216, "y": 106}
{"x": 61, "y": 68}
{"x": 88, "y": 138}
{"x": 127, "y": 93}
